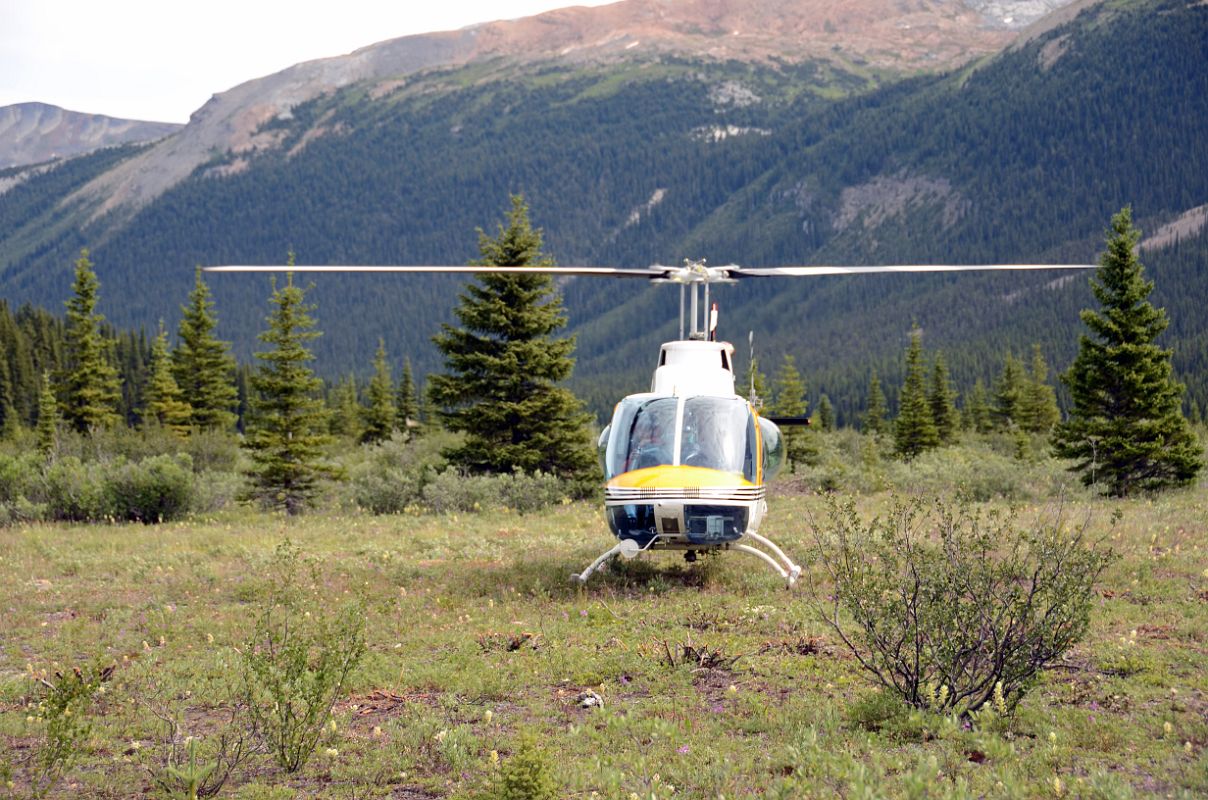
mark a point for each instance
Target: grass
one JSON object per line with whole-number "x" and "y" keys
{"x": 715, "y": 680}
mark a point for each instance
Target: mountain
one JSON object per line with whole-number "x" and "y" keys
{"x": 634, "y": 156}
{"x": 879, "y": 36}
{"x": 32, "y": 133}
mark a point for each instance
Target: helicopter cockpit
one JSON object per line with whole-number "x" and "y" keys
{"x": 715, "y": 433}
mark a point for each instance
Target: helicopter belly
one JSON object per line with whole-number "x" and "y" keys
{"x": 683, "y": 507}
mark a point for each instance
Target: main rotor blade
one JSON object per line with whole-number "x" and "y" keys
{"x": 650, "y": 273}
{"x": 801, "y": 272}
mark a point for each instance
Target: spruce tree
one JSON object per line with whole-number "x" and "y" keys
{"x": 203, "y": 368}
{"x": 790, "y": 402}
{"x": 942, "y": 400}
{"x": 407, "y": 403}
{"x": 1126, "y": 430}
{"x": 1039, "y": 403}
{"x": 381, "y": 418}
{"x": 1009, "y": 390}
{"x": 162, "y": 398}
{"x": 346, "y": 410}
{"x": 874, "y": 414}
{"x": 287, "y": 424}
{"x": 501, "y": 389}
{"x": 91, "y": 391}
{"x": 915, "y": 430}
{"x": 8, "y": 408}
{"x": 977, "y": 409}
{"x": 47, "y": 433}
{"x": 826, "y": 414}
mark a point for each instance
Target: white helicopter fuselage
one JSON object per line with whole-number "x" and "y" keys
{"x": 686, "y": 463}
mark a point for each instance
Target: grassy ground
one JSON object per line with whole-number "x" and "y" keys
{"x": 476, "y": 638}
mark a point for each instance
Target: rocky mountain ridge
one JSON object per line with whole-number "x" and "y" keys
{"x": 31, "y": 133}
{"x": 880, "y": 36}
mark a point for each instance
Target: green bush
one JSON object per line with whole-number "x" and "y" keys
{"x": 453, "y": 491}
{"x": 392, "y": 476}
{"x": 19, "y": 474}
{"x": 947, "y": 607}
{"x": 75, "y": 491}
{"x": 526, "y": 775}
{"x": 155, "y": 489}
{"x": 298, "y": 658}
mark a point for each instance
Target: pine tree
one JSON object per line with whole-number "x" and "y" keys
{"x": 790, "y": 402}
{"x": 874, "y": 414}
{"x": 91, "y": 391}
{"x": 1039, "y": 403}
{"x": 8, "y": 408}
{"x": 162, "y": 400}
{"x": 407, "y": 404}
{"x": 346, "y": 410}
{"x": 1126, "y": 429}
{"x": 1008, "y": 409}
{"x": 285, "y": 430}
{"x": 203, "y": 368}
{"x": 503, "y": 366}
{"x": 381, "y": 418}
{"x": 915, "y": 429}
{"x": 47, "y": 432}
{"x": 826, "y": 414}
{"x": 942, "y": 400}
{"x": 977, "y": 409}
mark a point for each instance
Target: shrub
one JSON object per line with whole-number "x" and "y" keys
{"x": 393, "y": 475}
{"x": 62, "y": 711}
{"x": 18, "y": 476}
{"x": 941, "y": 604}
{"x": 526, "y": 775}
{"x": 156, "y": 489}
{"x": 75, "y": 491}
{"x": 298, "y": 658}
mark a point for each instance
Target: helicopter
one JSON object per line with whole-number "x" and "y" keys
{"x": 686, "y": 464}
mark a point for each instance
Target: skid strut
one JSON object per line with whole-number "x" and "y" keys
{"x": 628, "y": 548}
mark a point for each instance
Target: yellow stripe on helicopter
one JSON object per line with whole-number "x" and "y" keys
{"x": 678, "y": 477}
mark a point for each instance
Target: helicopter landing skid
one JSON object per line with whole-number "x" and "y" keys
{"x": 628, "y": 548}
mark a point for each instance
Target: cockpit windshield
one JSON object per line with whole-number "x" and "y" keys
{"x": 712, "y": 432}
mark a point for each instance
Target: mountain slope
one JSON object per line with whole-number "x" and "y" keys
{"x": 1022, "y": 157}
{"x": 31, "y": 133}
{"x": 879, "y": 35}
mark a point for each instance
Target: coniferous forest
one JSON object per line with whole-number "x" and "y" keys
{"x": 1020, "y": 157}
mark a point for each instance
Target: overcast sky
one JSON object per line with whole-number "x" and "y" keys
{"x": 162, "y": 59}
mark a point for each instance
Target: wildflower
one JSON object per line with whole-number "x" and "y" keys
{"x": 1187, "y": 747}
{"x": 1058, "y": 786}
{"x": 733, "y": 689}
{"x": 440, "y": 737}
{"x": 1053, "y": 737}
{"x": 1167, "y": 728}
{"x": 332, "y": 725}
{"x": 682, "y": 749}
{"x": 494, "y": 757}
{"x": 377, "y": 730}
{"x": 487, "y": 716}
{"x": 209, "y": 638}
{"x": 331, "y": 752}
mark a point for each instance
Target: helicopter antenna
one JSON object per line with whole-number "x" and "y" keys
{"x": 752, "y": 397}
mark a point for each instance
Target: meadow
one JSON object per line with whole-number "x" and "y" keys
{"x": 658, "y": 679}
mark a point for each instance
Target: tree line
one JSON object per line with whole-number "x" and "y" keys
{"x": 501, "y": 389}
